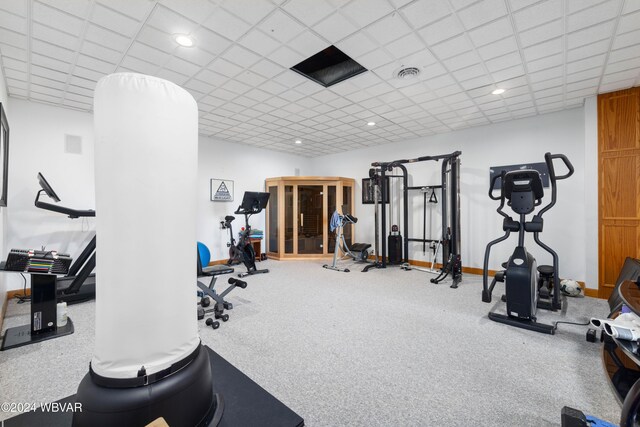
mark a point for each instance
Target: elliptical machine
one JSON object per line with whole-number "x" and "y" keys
{"x": 252, "y": 203}
{"x": 522, "y": 191}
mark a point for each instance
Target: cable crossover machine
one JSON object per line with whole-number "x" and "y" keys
{"x": 397, "y": 252}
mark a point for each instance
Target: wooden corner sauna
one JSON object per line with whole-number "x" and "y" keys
{"x": 299, "y": 212}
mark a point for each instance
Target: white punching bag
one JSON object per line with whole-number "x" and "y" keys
{"x": 146, "y": 155}
{"x": 148, "y": 361}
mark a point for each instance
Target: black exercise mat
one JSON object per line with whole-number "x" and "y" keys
{"x": 246, "y": 404}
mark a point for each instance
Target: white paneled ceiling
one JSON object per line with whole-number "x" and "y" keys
{"x": 548, "y": 55}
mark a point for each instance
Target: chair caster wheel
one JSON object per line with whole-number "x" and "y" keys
{"x": 212, "y": 323}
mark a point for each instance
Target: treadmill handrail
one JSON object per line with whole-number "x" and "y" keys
{"x": 73, "y": 213}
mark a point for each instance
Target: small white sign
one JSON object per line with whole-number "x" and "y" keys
{"x": 221, "y": 190}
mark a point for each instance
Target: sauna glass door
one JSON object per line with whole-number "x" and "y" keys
{"x": 310, "y": 219}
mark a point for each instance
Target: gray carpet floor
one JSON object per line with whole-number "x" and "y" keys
{"x": 384, "y": 348}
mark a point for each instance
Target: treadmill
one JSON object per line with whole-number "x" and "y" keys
{"x": 79, "y": 284}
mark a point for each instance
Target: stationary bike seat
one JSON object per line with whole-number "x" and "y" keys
{"x": 351, "y": 218}
{"x": 229, "y": 218}
{"x": 545, "y": 270}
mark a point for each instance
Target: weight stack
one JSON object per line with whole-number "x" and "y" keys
{"x": 394, "y": 245}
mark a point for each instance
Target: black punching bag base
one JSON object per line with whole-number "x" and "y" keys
{"x": 185, "y": 398}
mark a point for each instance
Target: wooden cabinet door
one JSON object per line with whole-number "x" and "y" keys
{"x": 618, "y": 183}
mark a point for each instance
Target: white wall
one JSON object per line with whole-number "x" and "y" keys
{"x": 37, "y": 145}
{"x": 248, "y": 168}
{"x": 3, "y": 211}
{"x": 513, "y": 142}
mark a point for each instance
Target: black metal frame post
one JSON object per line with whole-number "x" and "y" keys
{"x": 450, "y": 213}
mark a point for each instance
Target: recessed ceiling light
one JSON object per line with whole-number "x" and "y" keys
{"x": 183, "y": 40}
{"x": 371, "y": 123}
{"x": 498, "y": 92}
{"x": 298, "y": 141}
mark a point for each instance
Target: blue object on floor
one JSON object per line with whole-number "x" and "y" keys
{"x": 205, "y": 255}
{"x": 597, "y": 422}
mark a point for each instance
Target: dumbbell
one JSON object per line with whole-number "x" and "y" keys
{"x": 237, "y": 282}
{"x": 212, "y": 323}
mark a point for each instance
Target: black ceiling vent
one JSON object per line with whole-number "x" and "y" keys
{"x": 328, "y": 67}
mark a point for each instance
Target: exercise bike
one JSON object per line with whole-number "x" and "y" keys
{"x": 242, "y": 251}
{"x": 358, "y": 251}
{"x": 522, "y": 191}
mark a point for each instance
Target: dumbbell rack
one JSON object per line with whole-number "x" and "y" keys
{"x": 43, "y": 324}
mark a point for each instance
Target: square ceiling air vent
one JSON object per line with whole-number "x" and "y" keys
{"x": 329, "y": 66}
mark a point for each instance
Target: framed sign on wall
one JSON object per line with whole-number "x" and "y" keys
{"x": 221, "y": 190}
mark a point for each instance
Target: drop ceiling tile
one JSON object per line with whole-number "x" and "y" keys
{"x": 308, "y": 11}
{"x": 139, "y": 66}
{"x": 280, "y": 26}
{"x": 594, "y": 15}
{"x": 542, "y": 50}
{"x": 542, "y": 33}
{"x": 537, "y": 14}
{"x": 286, "y": 56}
{"x": 95, "y": 64}
{"x": 468, "y": 73}
{"x": 585, "y": 64}
{"x": 498, "y": 48}
{"x": 15, "y": 23}
{"x": 148, "y": 54}
{"x": 441, "y": 30}
{"x": 87, "y": 73}
{"x": 199, "y": 86}
{"x": 620, "y": 76}
{"x": 629, "y": 22}
{"x": 82, "y": 83}
{"x": 502, "y": 62}
{"x": 335, "y": 27}
{"x": 47, "y": 82}
{"x": 405, "y": 46}
{"x": 583, "y": 75}
{"x": 241, "y": 56}
{"x": 8, "y": 51}
{"x": 21, "y": 84}
{"x": 51, "y": 35}
{"x": 273, "y": 88}
{"x": 170, "y": 21}
{"x": 250, "y": 78}
{"x": 44, "y": 97}
{"x": 452, "y": 47}
{"x": 544, "y": 63}
{"x": 48, "y": 73}
{"x": 157, "y": 39}
{"x": 79, "y": 98}
{"x": 629, "y": 64}
{"x": 114, "y": 21}
{"x": 591, "y": 84}
{"x": 308, "y": 44}
{"x": 106, "y": 38}
{"x": 423, "y": 12}
{"x": 374, "y": 59}
{"x": 364, "y": 12}
{"x": 481, "y": 13}
{"x": 626, "y": 39}
{"x": 590, "y": 35}
{"x": 100, "y": 52}
{"x": 138, "y": 10}
{"x": 388, "y": 29}
{"x": 15, "y": 74}
{"x": 357, "y": 45}
{"x": 593, "y": 49}
{"x": 210, "y": 41}
{"x": 546, "y": 84}
{"x": 463, "y": 60}
{"x": 259, "y": 42}
{"x": 624, "y": 53}
{"x": 252, "y": 11}
{"x": 491, "y": 32}
{"x": 611, "y": 87}
{"x": 181, "y": 66}
{"x": 16, "y": 7}
{"x": 224, "y": 67}
{"x": 50, "y": 50}
{"x": 226, "y": 24}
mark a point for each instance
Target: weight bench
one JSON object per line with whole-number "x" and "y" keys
{"x": 209, "y": 292}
